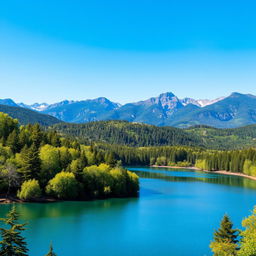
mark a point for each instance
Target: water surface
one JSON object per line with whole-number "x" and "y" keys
{"x": 175, "y": 214}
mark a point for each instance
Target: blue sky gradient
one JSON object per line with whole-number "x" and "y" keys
{"x": 126, "y": 50}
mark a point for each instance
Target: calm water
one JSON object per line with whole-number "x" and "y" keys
{"x": 175, "y": 215}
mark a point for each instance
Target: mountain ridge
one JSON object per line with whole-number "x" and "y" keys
{"x": 164, "y": 110}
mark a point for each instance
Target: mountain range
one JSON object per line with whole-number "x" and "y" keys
{"x": 165, "y": 110}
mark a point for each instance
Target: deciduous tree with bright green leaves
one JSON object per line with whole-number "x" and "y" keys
{"x": 30, "y": 189}
{"x": 64, "y": 186}
{"x": 248, "y": 241}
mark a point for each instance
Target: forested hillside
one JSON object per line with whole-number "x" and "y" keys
{"x": 140, "y": 135}
{"x": 26, "y": 116}
{"x": 126, "y": 133}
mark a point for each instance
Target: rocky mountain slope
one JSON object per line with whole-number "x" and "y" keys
{"x": 165, "y": 110}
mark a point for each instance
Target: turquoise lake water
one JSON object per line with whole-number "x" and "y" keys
{"x": 175, "y": 215}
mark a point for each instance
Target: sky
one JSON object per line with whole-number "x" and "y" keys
{"x": 128, "y": 50}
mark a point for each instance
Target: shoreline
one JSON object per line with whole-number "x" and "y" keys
{"x": 217, "y": 172}
{"x": 45, "y": 200}
{"x": 11, "y": 200}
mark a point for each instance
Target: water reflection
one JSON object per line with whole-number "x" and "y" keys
{"x": 56, "y": 210}
{"x": 174, "y": 176}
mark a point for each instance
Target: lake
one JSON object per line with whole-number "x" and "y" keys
{"x": 176, "y": 214}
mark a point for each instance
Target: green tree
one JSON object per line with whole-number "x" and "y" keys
{"x": 12, "y": 244}
{"x": 31, "y": 163}
{"x": 225, "y": 239}
{"x": 50, "y": 162}
{"x": 51, "y": 252}
{"x": 64, "y": 186}
{"x": 248, "y": 242}
{"x": 30, "y": 189}
{"x": 110, "y": 159}
{"x": 13, "y": 141}
{"x": 36, "y": 135}
{"x": 7, "y": 125}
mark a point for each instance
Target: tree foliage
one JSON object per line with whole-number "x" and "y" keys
{"x": 13, "y": 243}
{"x": 225, "y": 239}
{"x": 51, "y": 252}
{"x": 64, "y": 186}
{"x": 248, "y": 242}
{"x": 30, "y": 189}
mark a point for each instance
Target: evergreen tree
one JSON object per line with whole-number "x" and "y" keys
{"x": 12, "y": 244}
{"x": 31, "y": 164}
{"x": 36, "y": 135}
{"x": 51, "y": 252}
{"x": 23, "y": 137}
{"x": 13, "y": 141}
{"x": 225, "y": 239}
{"x": 53, "y": 139}
{"x": 110, "y": 159}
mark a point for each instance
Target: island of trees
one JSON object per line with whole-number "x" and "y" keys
{"x": 37, "y": 164}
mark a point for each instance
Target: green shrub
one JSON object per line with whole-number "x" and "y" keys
{"x": 63, "y": 186}
{"x": 100, "y": 181}
{"x": 30, "y": 189}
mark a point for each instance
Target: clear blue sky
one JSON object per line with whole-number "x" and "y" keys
{"x": 126, "y": 50}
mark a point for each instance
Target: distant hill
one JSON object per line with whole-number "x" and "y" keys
{"x": 125, "y": 133}
{"x": 234, "y": 138}
{"x": 26, "y": 116}
{"x": 139, "y": 135}
{"x": 167, "y": 109}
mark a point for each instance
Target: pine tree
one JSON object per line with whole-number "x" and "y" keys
{"x": 225, "y": 239}
{"x": 110, "y": 159}
{"x": 13, "y": 141}
{"x": 31, "y": 164}
{"x": 226, "y": 231}
{"x": 36, "y": 135}
{"x": 51, "y": 253}
{"x": 13, "y": 244}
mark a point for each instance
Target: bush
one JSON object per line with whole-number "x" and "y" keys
{"x": 201, "y": 164}
{"x": 63, "y": 186}
{"x": 100, "y": 181}
{"x": 183, "y": 164}
{"x": 97, "y": 181}
{"x": 30, "y": 189}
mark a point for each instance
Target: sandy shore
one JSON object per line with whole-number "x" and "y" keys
{"x": 218, "y": 172}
